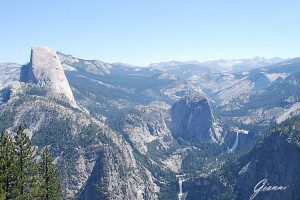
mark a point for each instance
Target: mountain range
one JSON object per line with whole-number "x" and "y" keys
{"x": 174, "y": 130}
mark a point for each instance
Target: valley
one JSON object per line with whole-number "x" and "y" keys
{"x": 174, "y": 130}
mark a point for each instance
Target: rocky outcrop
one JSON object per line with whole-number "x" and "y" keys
{"x": 147, "y": 125}
{"x": 274, "y": 161}
{"x": 116, "y": 175}
{"x": 88, "y": 155}
{"x": 237, "y": 139}
{"x": 192, "y": 119}
{"x": 93, "y": 161}
{"x": 268, "y": 171}
{"x": 45, "y": 70}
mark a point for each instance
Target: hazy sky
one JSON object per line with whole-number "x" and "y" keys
{"x": 144, "y": 31}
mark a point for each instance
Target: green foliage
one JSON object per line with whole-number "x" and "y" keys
{"x": 169, "y": 191}
{"x": 20, "y": 176}
{"x": 6, "y": 119}
{"x": 50, "y": 133}
{"x": 292, "y": 128}
{"x": 197, "y": 158}
{"x": 35, "y": 90}
{"x": 49, "y": 187}
{"x": 7, "y": 167}
{"x": 89, "y": 133}
{"x": 2, "y": 195}
{"x": 25, "y": 165}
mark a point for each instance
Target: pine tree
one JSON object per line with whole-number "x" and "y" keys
{"x": 25, "y": 165}
{"x": 2, "y": 195}
{"x": 49, "y": 180}
{"x": 7, "y": 167}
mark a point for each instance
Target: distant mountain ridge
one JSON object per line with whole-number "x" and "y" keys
{"x": 222, "y": 65}
{"x": 148, "y": 133}
{"x": 9, "y": 72}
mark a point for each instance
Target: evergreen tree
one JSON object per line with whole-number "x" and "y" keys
{"x": 7, "y": 167}
{"x": 2, "y": 195}
{"x": 25, "y": 165}
{"x": 49, "y": 180}
{"x": 20, "y": 177}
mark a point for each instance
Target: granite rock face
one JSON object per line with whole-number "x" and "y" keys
{"x": 192, "y": 119}
{"x": 238, "y": 139}
{"x": 93, "y": 161}
{"x": 45, "y": 70}
{"x": 275, "y": 160}
{"x": 117, "y": 175}
{"x": 270, "y": 170}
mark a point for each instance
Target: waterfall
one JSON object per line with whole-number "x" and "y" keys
{"x": 180, "y": 187}
{"x": 236, "y": 142}
{"x": 181, "y": 196}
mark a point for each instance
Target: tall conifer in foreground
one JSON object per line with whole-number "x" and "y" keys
{"x": 7, "y": 167}
{"x": 21, "y": 178}
{"x": 50, "y": 184}
{"x": 25, "y": 165}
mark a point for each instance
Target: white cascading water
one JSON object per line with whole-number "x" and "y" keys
{"x": 181, "y": 196}
{"x": 180, "y": 189}
{"x": 236, "y": 142}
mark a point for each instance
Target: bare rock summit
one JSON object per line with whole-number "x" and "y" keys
{"x": 192, "y": 119}
{"x": 45, "y": 70}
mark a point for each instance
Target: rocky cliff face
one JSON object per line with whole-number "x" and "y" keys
{"x": 192, "y": 119}
{"x": 147, "y": 126}
{"x": 273, "y": 161}
{"x": 117, "y": 175}
{"x": 238, "y": 139}
{"x": 93, "y": 161}
{"x": 45, "y": 70}
{"x": 276, "y": 159}
{"x": 89, "y": 156}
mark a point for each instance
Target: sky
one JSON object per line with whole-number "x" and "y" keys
{"x": 140, "y": 32}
